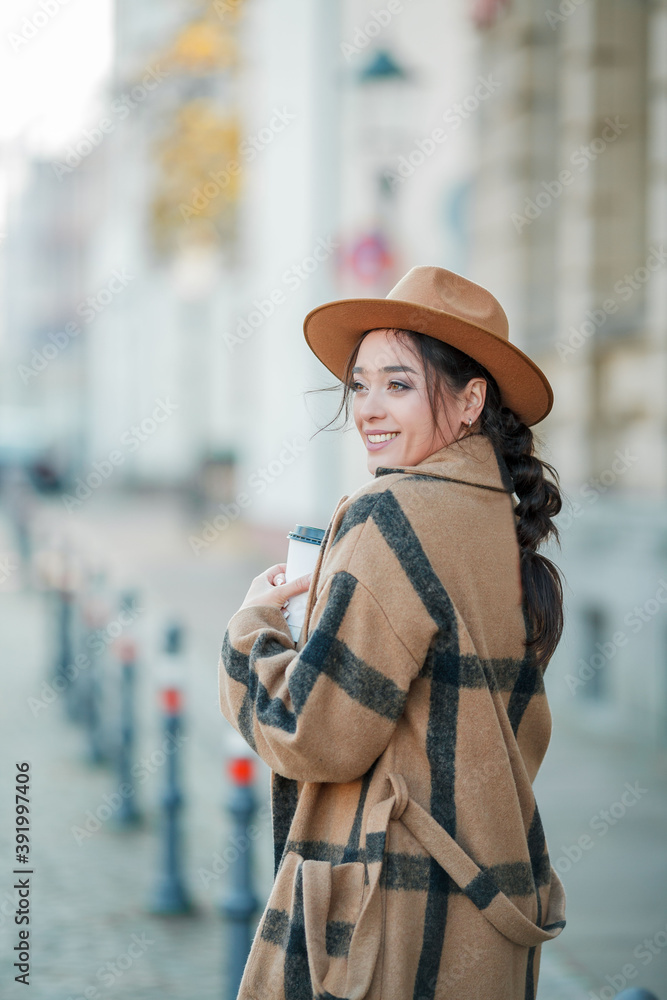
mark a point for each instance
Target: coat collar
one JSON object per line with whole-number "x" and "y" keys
{"x": 472, "y": 460}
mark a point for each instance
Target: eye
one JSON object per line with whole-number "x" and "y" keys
{"x": 399, "y": 386}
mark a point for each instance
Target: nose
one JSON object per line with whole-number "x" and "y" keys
{"x": 371, "y": 404}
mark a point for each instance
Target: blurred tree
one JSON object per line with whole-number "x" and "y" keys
{"x": 197, "y": 193}
{"x": 198, "y": 180}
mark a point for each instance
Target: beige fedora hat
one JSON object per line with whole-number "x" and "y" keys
{"x": 446, "y": 306}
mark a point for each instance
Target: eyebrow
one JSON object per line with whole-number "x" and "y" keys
{"x": 388, "y": 368}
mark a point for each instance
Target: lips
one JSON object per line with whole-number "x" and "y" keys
{"x": 377, "y": 445}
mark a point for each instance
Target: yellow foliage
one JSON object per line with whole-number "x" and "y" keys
{"x": 194, "y": 156}
{"x": 203, "y": 47}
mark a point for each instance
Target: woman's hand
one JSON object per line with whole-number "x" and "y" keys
{"x": 270, "y": 587}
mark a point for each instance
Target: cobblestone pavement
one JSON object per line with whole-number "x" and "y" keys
{"x": 91, "y": 894}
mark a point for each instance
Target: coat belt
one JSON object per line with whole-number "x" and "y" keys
{"x": 473, "y": 881}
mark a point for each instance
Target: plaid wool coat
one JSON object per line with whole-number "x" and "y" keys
{"x": 404, "y": 732}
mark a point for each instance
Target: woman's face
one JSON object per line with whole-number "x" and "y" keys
{"x": 390, "y": 397}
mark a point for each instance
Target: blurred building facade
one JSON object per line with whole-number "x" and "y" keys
{"x": 570, "y": 230}
{"x": 251, "y": 160}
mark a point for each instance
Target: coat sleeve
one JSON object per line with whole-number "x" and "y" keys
{"x": 325, "y": 712}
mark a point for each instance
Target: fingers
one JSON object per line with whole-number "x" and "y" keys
{"x": 280, "y": 590}
{"x": 270, "y": 573}
{"x": 278, "y": 580}
{"x": 296, "y": 586}
{"x": 290, "y": 589}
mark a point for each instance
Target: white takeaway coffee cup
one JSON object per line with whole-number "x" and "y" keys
{"x": 302, "y": 553}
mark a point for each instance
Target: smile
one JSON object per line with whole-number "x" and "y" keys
{"x": 377, "y": 438}
{"x": 376, "y": 442}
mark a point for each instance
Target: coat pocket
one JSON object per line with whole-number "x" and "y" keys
{"x": 310, "y": 917}
{"x": 343, "y": 923}
{"x": 332, "y": 897}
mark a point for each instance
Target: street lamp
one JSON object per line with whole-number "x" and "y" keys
{"x": 385, "y": 99}
{"x": 380, "y": 115}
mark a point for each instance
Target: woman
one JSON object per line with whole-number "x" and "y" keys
{"x": 406, "y": 728}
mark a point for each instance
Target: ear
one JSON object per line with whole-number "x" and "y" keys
{"x": 474, "y": 395}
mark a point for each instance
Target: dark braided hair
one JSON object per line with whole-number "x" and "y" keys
{"x": 447, "y": 371}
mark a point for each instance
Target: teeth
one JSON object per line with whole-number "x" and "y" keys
{"x": 376, "y": 438}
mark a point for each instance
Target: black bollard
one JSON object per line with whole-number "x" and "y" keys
{"x": 240, "y": 903}
{"x": 92, "y": 696}
{"x": 125, "y": 649}
{"x": 170, "y": 895}
{"x": 19, "y": 494}
{"x": 66, "y": 592}
{"x": 96, "y": 614}
{"x": 64, "y": 616}
{"x": 76, "y": 685}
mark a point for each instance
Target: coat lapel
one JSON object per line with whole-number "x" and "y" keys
{"x": 472, "y": 460}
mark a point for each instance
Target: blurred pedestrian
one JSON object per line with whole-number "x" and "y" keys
{"x": 405, "y": 728}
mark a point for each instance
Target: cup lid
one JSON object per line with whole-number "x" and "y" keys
{"x": 307, "y": 533}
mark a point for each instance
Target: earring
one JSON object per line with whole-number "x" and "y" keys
{"x": 469, "y": 422}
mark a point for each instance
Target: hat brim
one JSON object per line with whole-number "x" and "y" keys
{"x": 332, "y": 329}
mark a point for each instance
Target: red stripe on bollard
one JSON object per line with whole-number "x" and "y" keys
{"x": 125, "y": 650}
{"x": 241, "y": 770}
{"x": 171, "y": 700}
